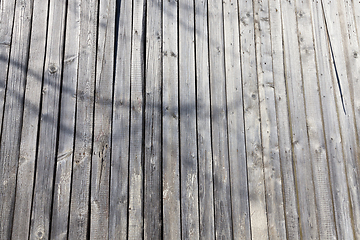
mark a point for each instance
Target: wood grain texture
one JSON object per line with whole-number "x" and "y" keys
{"x": 100, "y": 172}
{"x": 80, "y": 186}
{"x": 236, "y": 131}
{"x": 351, "y": 48}
{"x": 28, "y": 145}
{"x": 7, "y": 13}
{"x": 136, "y": 161}
{"x": 170, "y": 123}
{"x": 251, "y": 106}
{"x": 315, "y": 127}
{"x": 342, "y": 77}
{"x": 62, "y": 186}
{"x": 153, "y": 150}
{"x": 205, "y": 159}
{"x": 13, "y": 110}
{"x": 222, "y": 188}
{"x": 300, "y": 142}
{"x": 340, "y": 196}
{"x": 283, "y": 123}
{"x": 48, "y": 127}
{"x": 118, "y": 216}
{"x": 187, "y": 101}
{"x": 269, "y": 133}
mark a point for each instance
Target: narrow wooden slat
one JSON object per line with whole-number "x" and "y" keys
{"x": 187, "y": 99}
{"x": 118, "y": 216}
{"x": 269, "y": 134}
{"x": 205, "y": 159}
{"x": 152, "y": 154}
{"x": 237, "y": 150}
{"x": 102, "y": 123}
{"x": 222, "y": 198}
{"x": 342, "y": 76}
{"x": 315, "y": 128}
{"x": 331, "y": 125}
{"x": 7, "y": 13}
{"x": 79, "y": 206}
{"x": 46, "y": 155}
{"x": 170, "y": 132}
{"x": 352, "y": 47}
{"x": 283, "y": 123}
{"x": 27, "y": 155}
{"x": 61, "y": 198}
{"x": 13, "y": 105}
{"x": 301, "y": 152}
{"x": 136, "y": 173}
{"x": 352, "y": 36}
{"x": 255, "y": 166}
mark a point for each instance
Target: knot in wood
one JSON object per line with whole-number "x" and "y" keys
{"x": 52, "y": 68}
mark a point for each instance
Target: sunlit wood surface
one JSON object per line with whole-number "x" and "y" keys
{"x": 179, "y": 119}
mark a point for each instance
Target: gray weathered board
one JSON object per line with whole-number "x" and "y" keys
{"x": 179, "y": 119}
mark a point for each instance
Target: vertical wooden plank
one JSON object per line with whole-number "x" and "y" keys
{"x": 136, "y": 174}
{"x": 7, "y": 13}
{"x": 79, "y": 206}
{"x": 315, "y": 128}
{"x": 236, "y": 131}
{"x": 252, "y": 123}
{"x": 46, "y": 155}
{"x": 187, "y": 99}
{"x": 269, "y": 134}
{"x": 118, "y": 216}
{"x": 355, "y": 7}
{"x": 331, "y": 125}
{"x": 153, "y": 85}
{"x": 13, "y": 109}
{"x": 222, "y": 198}
{"x": 283, "y": 122}
{"x": 300, "y": 143}
{"x": 170, "y": 127}
{"x": 342, "y": 76}
{"x": 27, "y": 155}
{"x": 205, "y": 159}
{"x": 61, "y": 198}
{"x": 351, "y": 37}
{"x": 102, "y": 122}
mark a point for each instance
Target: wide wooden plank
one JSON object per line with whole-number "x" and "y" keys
{"x": 342, "y": 78}
{"x": 187, "y": 101}
{"x": 100, "y": 168}
{"x": 255, "y": 166}
{"x": 269, "y": 134}
{"x": 299, "y": 138}
{"x": 236, "y": 131}
{"x": 205, "y": 159}
{"x": 62, "y": 186}
{"x": 170, "y": 127}
{"x": 222, "y": 200}
{"x": 152, "y": 154}
{"x": 283, "y": 123}
{"x": 340, "y": 195}
{"x": 48, "y": 127}
{"x": 118, "y": 216}
{"x": 13, "y": 109}
{"x": 136, "y": 161}
{"x": 315, "y": 128}
{"x": 7, "y": 13}
{"x": 79, "y": 206}
{"x": 28, "y": 145}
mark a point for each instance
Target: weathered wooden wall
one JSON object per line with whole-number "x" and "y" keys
{"x": 179, "y": 119}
